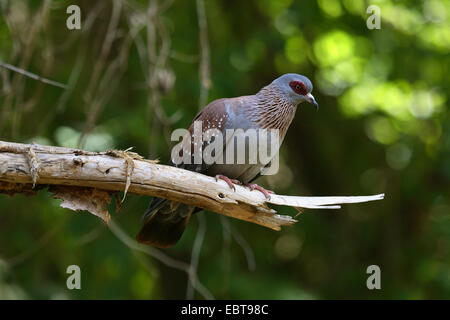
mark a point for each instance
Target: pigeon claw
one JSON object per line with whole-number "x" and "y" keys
{"x": 254, "y": 186}
{"x": 228, "y": 181}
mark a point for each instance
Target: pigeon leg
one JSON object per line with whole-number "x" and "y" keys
{"x": 254, "y": 186}
{"x": 228, "y": 181}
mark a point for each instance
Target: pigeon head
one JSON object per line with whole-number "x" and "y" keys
{"x": 296, "y": 88}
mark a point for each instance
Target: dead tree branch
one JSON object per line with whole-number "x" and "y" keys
{"x": 32, "y": 75}
{"x": 76, "y": 174}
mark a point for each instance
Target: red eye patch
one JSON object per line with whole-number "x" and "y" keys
{"x": 298, "y": 87}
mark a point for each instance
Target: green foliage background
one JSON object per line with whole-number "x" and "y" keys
{"x": 383, "y": 126}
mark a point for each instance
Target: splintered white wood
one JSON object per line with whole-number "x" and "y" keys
{"x": 321, "y": 202}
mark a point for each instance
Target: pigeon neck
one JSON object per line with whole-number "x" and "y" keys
{"x": 273, "y": 110}
{"x": 273, "y": 95}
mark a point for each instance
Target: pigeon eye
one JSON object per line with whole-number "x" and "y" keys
{"x": 298, "y": 87}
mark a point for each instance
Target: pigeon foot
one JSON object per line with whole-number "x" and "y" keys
{"x": 229, "y": 181}
{"x": 265, "y": 192}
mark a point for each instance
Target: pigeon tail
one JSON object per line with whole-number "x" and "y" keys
{"x": 165, "y": 222}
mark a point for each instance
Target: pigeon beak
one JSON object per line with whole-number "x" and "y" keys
{"x": 310, "y": 99}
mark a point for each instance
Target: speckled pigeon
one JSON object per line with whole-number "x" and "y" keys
{"x": 273, "y": 107}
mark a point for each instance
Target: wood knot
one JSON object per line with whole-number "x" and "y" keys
{"x": 78, "y": 162}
